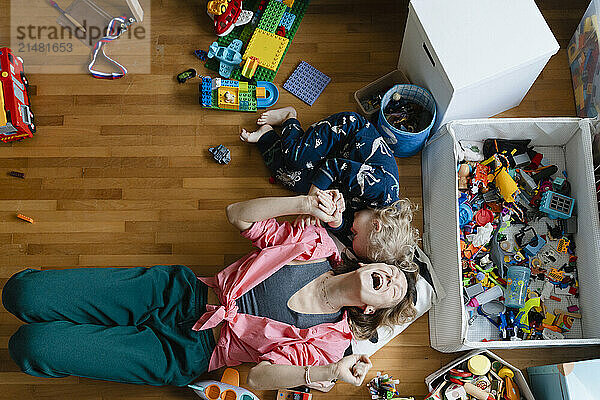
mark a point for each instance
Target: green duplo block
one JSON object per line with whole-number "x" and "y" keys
{"x": 272, "y": 16}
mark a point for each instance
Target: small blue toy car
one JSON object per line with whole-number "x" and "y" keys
{"x": 201, "y": 54}
{"x": 221, "y": 154}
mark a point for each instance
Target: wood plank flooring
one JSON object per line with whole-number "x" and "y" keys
{"x": 119, "y": 174}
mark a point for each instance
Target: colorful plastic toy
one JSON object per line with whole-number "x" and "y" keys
{"x": 201, "y": 54}
{"x": 17, "y": 174}
{"x": 25, "y": 218}
{"x": 272, "y": 16}
{"x": 267, "y": 47}
{"x": 287, "y": 20}
{"x": 229, "y": 94}
{"x": 221, "y": 154}
{"x": 245, "y": 33}
{"x": 229, "y": 57}
{"x": 249, "y": 68}
{"x": 307, "y": 83}
{"x": 185, "y": 75}
{"x": 227, "y": 389}
{"x": 283, "y": 394}
{"x": 217, "y": 7}
{"x": 232, "y": 17}
{"x": 557, "y": 205}
{"x": 16, "y": 118}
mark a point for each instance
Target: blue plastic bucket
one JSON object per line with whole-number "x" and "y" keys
{"x": 405, "y": 144}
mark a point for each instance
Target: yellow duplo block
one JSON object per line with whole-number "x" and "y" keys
{"x": 261, "y": 92}
{"x": 288, "y": 3}
{"x": 267, "y": 47}
{"x": 243, "y": 86}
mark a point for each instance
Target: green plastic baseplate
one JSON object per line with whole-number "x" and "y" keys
{"x": 245, "y": 32}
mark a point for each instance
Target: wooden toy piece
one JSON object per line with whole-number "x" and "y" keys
{"x": 511, "y": 391}
{"x": 476, "y": 392}
{"x": 267, "y": 47}
{"x": 479, "y": 364}
{"x": 24, "y": 218}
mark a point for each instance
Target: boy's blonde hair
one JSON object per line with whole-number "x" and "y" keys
{"x": 395, "y": 241}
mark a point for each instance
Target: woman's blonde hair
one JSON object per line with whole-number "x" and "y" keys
{"x": 395, "y": 241}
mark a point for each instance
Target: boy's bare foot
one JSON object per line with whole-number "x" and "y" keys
{"x": 277, "y": 117}
{"x": 252, "y": 137}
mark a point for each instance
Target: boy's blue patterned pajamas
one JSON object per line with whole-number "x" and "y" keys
{"x": 344, "y": 151}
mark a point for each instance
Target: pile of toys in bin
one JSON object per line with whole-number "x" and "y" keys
{"x": 518, "y": 254}
{"x": 477, "y": 378}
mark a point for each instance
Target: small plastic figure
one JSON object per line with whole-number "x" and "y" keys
{"x": 221, "y": 154}
{"x": 17, "y": 174}
{"x": 201, "y": 54}
{"x": 229, "y": 97}
{"x": 185, "y": 75}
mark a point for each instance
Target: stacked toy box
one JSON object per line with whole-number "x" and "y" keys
{"x": 564, "y": 142}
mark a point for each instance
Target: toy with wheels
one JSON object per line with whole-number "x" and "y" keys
{"x": 16, "y": 118}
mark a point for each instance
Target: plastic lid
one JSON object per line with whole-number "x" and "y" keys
{"x": 483, "y": 216}
{"x": 479, "y": 364}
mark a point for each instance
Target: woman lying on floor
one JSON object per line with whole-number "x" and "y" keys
{"x": 346, "y": 152}
{"x": 291, "y": 307}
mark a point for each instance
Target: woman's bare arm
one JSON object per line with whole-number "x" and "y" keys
{"x": 243, "y": 214}
{"x": 266, "y": 376}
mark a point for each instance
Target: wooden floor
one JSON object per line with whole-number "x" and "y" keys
{"x": 119, "y": 174}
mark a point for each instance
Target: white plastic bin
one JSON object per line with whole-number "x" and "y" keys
{"x": 569, "y": 141}
{"x": 477, "y": 57}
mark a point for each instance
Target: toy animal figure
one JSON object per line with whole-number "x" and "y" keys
{"x": 227, "y": 389}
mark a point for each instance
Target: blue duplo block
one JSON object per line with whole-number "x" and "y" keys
{"x": 307, "y": 83}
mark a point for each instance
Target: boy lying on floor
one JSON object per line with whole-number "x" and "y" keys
{"x": 346, "y": 152}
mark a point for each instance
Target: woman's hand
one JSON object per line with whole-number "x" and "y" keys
{"x": 320, "y": 205}
{"x": 352, "y": 369}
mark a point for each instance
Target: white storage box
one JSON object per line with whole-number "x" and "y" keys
{"x": 477, "y": 57}
{"x": 568, "y": 143}
{"x": 432, "y": 380}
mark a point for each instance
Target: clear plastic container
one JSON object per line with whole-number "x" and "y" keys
{"x": 517, "y": 283}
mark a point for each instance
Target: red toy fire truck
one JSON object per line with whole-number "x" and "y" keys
{"x": 16, "y": 118}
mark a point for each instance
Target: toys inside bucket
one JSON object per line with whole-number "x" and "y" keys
{"x": 406, "y": 117}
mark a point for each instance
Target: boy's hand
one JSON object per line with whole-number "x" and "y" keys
{"x": 340, "y": 207}
{"x": 304, "y": 220}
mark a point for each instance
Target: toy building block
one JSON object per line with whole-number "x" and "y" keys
{"x": 232, "y": 17}
{"x": 307, "y": 83}
{"x": 556, "y": 205}
{"x": 206, "y": 90}
{"x": 228, "y": 98}
{"x": 229, "y": 57}
{"x": 287, "y": 20}
{"x": 250, "y": 66}
{"x": 271, "y": 17}
{"x": 201, "y": 54}
{"x": 280, "y": 31}
{"x": 221, "y": 154}
{"x": 534, "y": 246}
{"x": 267, "y": 47}
{"x": 289, "y": 3}
{"x": 25, "y": 218}
{"x": 563, "y": 244}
